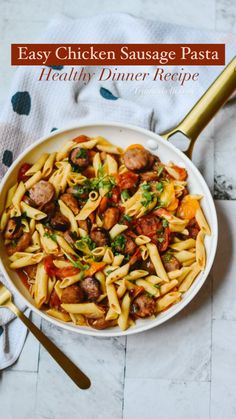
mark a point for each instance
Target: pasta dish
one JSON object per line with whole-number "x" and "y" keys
{"x": 102, "y": 237}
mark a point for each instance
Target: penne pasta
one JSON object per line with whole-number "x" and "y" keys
{"x": 200, "y": 250}
{"x": 90, "y": 310}
{"x": 202, "y": 222}
{"x": 32, "y": 212}
{"x": 10, "y": 195}
{"x": 124, "y": 315}
{"x": 118, "y": 273}
{"x": 66, "y": 211}
{"x": 113, "y": 298}
{"x": 140, "y": 240}
{"x": 188, "y": 280}
{"x": 48, "y": 165}
{"x": 112, "y": 166}
{"x": 149, "y": 287}
{"x": 117, "y": 229}
{"x": 157, "y": 262}
{"x": 59, "y": 314}
{"x": 32, "y": 180}
{"x": 38, "y": 165}
{"x": 25, "y": 259}
{"x": 183, "y": 245}
{"x": 41, "y": 285}
{"x": 167, "y": 300}
{"x": 88, "y": 208}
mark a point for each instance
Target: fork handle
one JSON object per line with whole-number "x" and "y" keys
{"x": 79, "y": 378}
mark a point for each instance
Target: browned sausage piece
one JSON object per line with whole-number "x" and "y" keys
{"x": 193, "y": 228}
{"x": 13, "y": 229}
{"x": 100, "y": 237}
{"x": 42, "y": 193}
{"x": 143, "y": 306}
{"x": 72, "y": 294}
{"x": 91, "y": 288}
{"x": 148, "y": 225}
{"x": 59, "y": 222}
{"x": 49, "y": 208}
{"x": 100, "y": 324}
{"x": 111, "y": 217}
{"x": 137, "y": 158}
{"x": 149, "y": 176}
{"x": 21, "y": 245}
{"x": 147, "y": 265}
{"x": 71, "y": 202}
{"x": 124, "y": 244}
{"x": 79, "y": 157}
{"x": 130, "y": 246}
{"x": 171, "y": 263}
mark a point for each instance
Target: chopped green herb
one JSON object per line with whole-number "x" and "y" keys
{"x": 160, "y": 170}
{"x": 82, "y": 154}
{"x": 146, "y": 187}
{"x": 81, "y": 275}
{"x": 127, "y": 217}
{"x": 147, "y": 198}
{"x": 85, "y": 244}
{"x": 159, "y": 187}
{"x": 160, "y": 204}
{"x": 119, "y": 242}
{"x": 165, "y": 223}
{"x": 167, "y": 257}
{"x": 157, "y": 286}
{"x": 109, "y": 194}
{"x": 125, "y": 195}
{"x": 77, "y": 263}
{"x": 160, "y": 239}
{"x": 146, "y": 195}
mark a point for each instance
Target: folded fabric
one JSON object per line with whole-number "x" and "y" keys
{"x": 34, "y": 108}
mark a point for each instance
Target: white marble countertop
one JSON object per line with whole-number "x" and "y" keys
{"x": 184, "y": 369}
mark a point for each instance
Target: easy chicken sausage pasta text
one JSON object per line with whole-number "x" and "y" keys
{"x": 102, "y": 237}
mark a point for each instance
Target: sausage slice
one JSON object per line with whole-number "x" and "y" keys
{"x": 137, "y": 158}
{"x": 60, "y": 222}
{"x": 13, "y": 229}
{"x": 23, "y": 242}
{"x": 100, "y": 237}
{"x": 91, "y": 288}
{"x": 143, "y": 306}
{"x": 72, "y": 294}
{"x": 71, "y": 202}
{"x": 41, "y": 193}
{"x": 171, "y": 263}
{"x": 79, "y": 157}
{"x": 111, "y": 217}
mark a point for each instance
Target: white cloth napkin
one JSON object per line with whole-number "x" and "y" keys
{"x": 34, "y": 108}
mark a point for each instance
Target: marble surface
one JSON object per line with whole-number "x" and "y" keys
{"x": 184, "y": 369}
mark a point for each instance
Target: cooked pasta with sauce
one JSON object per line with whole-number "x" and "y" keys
{"x": 102, "y": 237}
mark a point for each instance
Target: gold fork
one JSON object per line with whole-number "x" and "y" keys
{"x": 79, "y": 378}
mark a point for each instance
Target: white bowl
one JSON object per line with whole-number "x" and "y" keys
{"x": 121, "y": 135}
